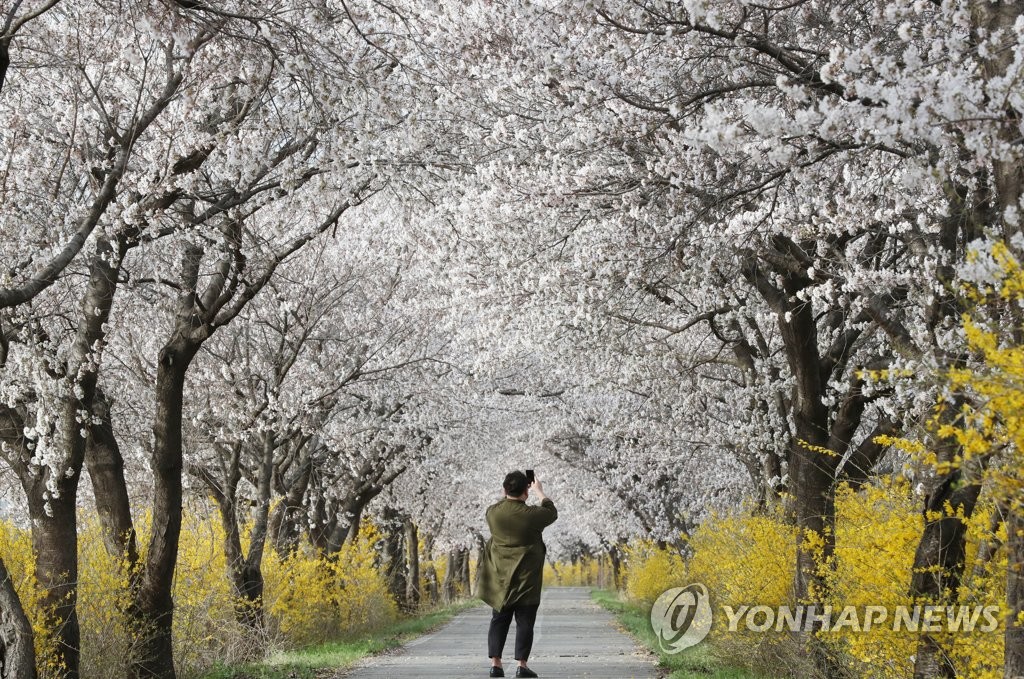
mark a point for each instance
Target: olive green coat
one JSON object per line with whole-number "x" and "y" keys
{"x": 512, "y": 569}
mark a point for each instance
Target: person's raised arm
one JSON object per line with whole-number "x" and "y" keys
{"x": 546, "y": 511}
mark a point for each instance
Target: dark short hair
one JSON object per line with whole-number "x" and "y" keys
{"x": 515, "y": 483}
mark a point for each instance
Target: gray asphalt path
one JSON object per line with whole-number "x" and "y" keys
{"x": 573, "y": 637}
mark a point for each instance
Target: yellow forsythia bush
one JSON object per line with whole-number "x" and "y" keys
{"x": 581, "y": 573}
{"x": 205, "y": 627}
{"x": 649, "y": 571}
{"x": 748, "y": 559}
{"x": 308, "y": 598}
{"x": 312, "y": 599}
{"x": 16, "y": 549}
{"x": 102, "y": 595}
{"x": 744, "y": 559}
{"x": 877, "y": 531}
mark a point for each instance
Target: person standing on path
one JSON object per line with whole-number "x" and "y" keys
{"x": 512, "y": 570}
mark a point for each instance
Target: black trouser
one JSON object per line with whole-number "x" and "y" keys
{"x": 500, "y": 622}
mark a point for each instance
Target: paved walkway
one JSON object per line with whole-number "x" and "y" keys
{"x": 573, "y": 637}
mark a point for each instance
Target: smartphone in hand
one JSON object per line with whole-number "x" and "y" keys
{"x": 529, "y": 476}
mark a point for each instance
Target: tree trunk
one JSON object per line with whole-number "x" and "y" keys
{"x": 412, "y": 547}
{"x": 17, "y": 652}
{"x": 393, "y": 555}
{"x": 151, "y": 610}
{"x": 152, "y": 605}
{"x": 464, "y": 572}
{"x": 248, "y": 584}
{"x": 820, "y": 436}
{"x": 814, "y": 512}
{"x": 198, "y": 315}
{"x": 939, "y": 562}
{"x": 616, "y": 559}
{"x": 284, "y": 534}
{"x": 348, "y": 521}
{"x": 451, "y": 575}
{"x": 54, "y": 515}
{"x": 354, "y": 512}
{"x": 285, "y": 527}
{"x": 811, "y": 471}
{"x": 248, "y": 571}
{"x": 479, "y": 560}
{"x": 322, "y": 524}
{"x": 432, "y": 588}
{"x": 105, "y": 465}
{"x": 1014, "y": 636}
{"x": 55, "y": 544}
{"x": 246, "y": 579}
{"x": 432, "y": 583}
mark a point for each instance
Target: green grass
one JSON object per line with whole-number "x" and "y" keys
{"x": 320, "y": 661}
{"x": 697, "y": 662}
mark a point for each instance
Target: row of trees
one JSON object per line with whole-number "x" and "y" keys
{"x": 299, "y": 256}
{"x": 747, "y": 220}
{"x": 173, "y": 176}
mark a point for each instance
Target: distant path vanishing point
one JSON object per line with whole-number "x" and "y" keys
{"x": 573, "y": 638}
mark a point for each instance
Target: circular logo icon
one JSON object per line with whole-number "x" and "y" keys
{"x": 681, "y": 617}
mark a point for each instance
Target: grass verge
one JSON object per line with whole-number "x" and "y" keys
{"x": 318, "y": 662}
{"x": 697, "y": 662}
